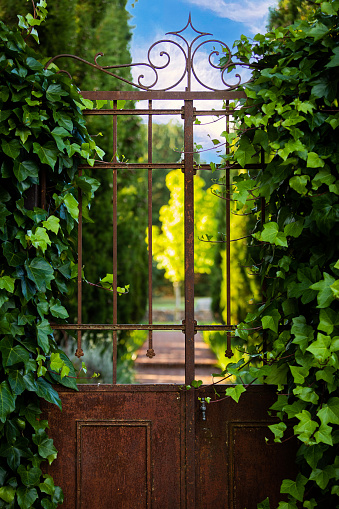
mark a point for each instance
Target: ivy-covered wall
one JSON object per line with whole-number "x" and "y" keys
{"x": 291, "y": 114}
{"x": 42, "y": 133}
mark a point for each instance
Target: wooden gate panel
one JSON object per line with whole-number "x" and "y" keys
{"x": 236, "y": 467}
{"x": 119, "y": 448}
{"x": 115, "y": 456}
{"x": 125, "y": 447}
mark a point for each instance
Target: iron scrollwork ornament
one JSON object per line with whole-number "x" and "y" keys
{"x": 186, "y": 49}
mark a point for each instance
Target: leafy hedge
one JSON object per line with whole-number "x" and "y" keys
{"x": 42, "y": 132}
{"x": 291, "y": 115}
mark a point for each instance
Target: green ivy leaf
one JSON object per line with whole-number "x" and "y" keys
{"x": 306, "y": 276}
{"x": 47, "y": 153}
{"x": 335, "y": 289}
{"x": 277, "y": 374}
{"x": 329, "y": 412}
{"x": 327, "y": 320}
{"x": 265, "y": 504}
{"x": 71, "y": 205}
{"x": 45, "y": 445}
{"x": 54, "y": 92}
{"x": 321, "y": 347}
{"x": 16, "y": 382}
{"x": 287, "y": 505}
{"x": 322, "y": 476}
{"x": 48, "y": 485}
{"x": 39, "y": 239}
{"x": 334, "y": 61}
{"x": 299, "y": 374}
{"x": 271, "y": 321}
{"x": 245, "y": 151}
{"x": 70, "y": 379}
{"x": 7, "y": 493}
{"x": 299, "y": 183}
{"x": 26, "y": 497}
{"x": 235, "y": 392}
{"x": 52, "y": 224}
{"x": 7, "y": 283}
{"x": 13, "y": 258}
{"x": 46, "y": 391}
{"x": 313, "y": 454}
{"x": 63, "y": 119}
{"x": 57, "y": 309}
{"x": 29, "y": 476}
{"x": 294, "y": 488}
{"x": 294, "y": 229}
{"x": 323, "y": 287}
{"x": 278, "y": 430}
{"x": 306, "y": 426}
{"x": 306, "y": 394}
{"x": 12, "y": 355}
{"x": 272, "y": 235}
{"x": 314, "y": 161}
{"x": 40, "y": 272}
{"x": 11, "y": 148}
{"x": 324, "y": 435}
{"x": 7, "y": 401}
{"x": 24, "y": 169}
{"x": 44, "y": 330}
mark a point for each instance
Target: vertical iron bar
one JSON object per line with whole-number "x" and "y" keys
{"x": 189, "y": 301}
{"x": 115, "y": 244}
{"x": 228, "y": 352}
{"x": 189, "y": 242}
{"x": 150, "y": 352}
{"x": 79, "y": 352}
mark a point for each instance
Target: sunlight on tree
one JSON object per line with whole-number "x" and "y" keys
{"x": 168, "y": 241}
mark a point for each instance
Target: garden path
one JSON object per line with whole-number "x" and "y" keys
{"x": 168, "y": 365}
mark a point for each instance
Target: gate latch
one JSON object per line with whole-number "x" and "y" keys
{"x": 203, "y": 408}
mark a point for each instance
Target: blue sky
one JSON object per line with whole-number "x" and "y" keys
{"x": 227, "y": 20}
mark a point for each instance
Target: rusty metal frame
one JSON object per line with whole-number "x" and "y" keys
{"x": 189, "y": 167}
{"x": 188, "y": 112}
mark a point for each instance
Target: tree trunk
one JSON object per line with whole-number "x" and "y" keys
{"x": 177, "y": 294}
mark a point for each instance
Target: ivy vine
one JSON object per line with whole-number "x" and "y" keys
{"x": 42, "y": 135}
{"x": 291, "y": 119}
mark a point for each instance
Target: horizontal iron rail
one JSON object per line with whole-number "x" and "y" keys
{"x": 103, "y": 165}
{"x": 199, "y": 113}
{"x": 134, "y": 95}
{"x": 125, "y": 326}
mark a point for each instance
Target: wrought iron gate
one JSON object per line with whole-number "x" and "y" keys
{"x": 148, "y": 446}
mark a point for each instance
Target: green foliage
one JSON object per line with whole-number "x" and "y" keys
{"x": 42, "y": 134}
{"x": 84, "y": 28}
{"x": 168, "y": 243}
{"x": 245, "y": 288}
{"x": 291, "y": 115}
{"x": 289, "y": 11}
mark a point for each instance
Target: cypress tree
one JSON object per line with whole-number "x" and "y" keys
{"x": 83, "y": 29}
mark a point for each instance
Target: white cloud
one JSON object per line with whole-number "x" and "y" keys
{"x": 253, "y": 13}
{"x": 207, "y": 74}
{"x": 210, "y": 127}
